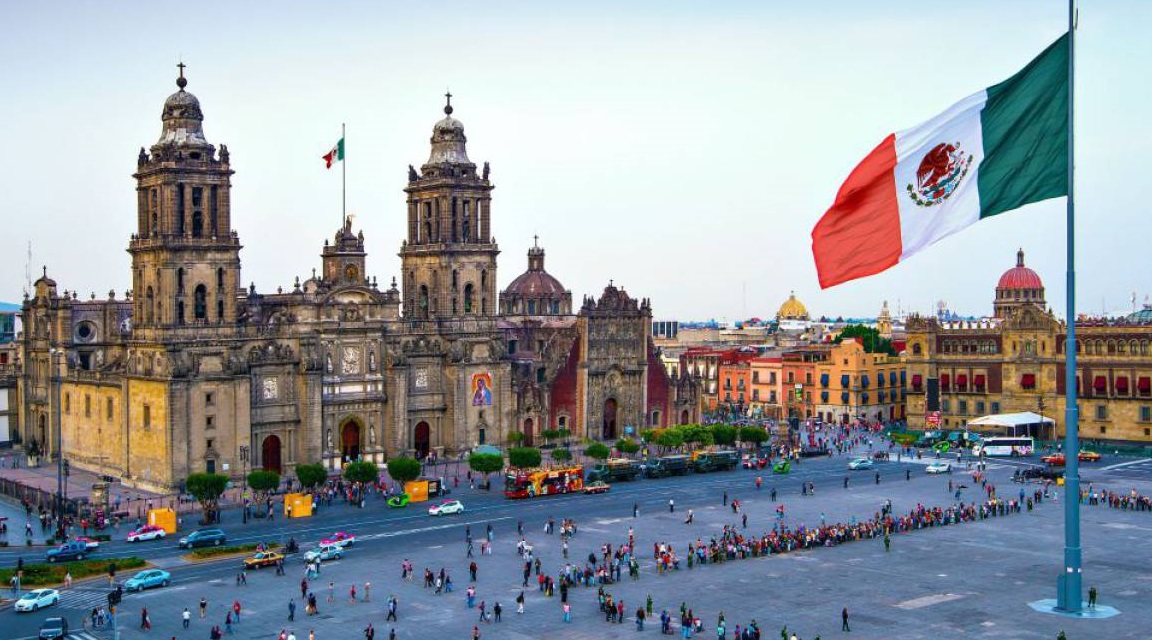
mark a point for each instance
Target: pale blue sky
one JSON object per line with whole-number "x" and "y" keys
{"x": 683, "y": 149}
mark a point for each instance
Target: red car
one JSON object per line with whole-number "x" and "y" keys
{"x": 1057, "y": 459}
{"x": 598, "y": 486}
{"x": 147, "y": 532}
{"x": 341, "y": 539}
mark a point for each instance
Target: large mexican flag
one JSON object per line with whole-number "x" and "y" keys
{"x": 992, "y": 152}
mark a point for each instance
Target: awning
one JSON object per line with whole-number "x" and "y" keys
{"x": 823, "y": 379}
{"x": 1028, "y": 381}
{"x": 978, "y": 381}
{"x": 1122, "y": 384}
{"x": 944, "y": 380}
{"x": 962, "y": 381}
{"x": 917, "y": 380}
{"x": 1100, "y": 383}
{"x": 845, "y": 380}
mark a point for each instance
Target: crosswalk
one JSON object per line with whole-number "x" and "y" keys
{"x": 83, "y": 634}
{"x": 84, "y": 599}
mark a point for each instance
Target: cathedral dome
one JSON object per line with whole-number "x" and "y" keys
{"x": 182, "y": 118}
{"x": 535, "y": 284}
{"x": 536, "y": 292}
{"x": 792, "y": 309}
{"x": 1020, "y": 277}
{"x": 449, "y": 145}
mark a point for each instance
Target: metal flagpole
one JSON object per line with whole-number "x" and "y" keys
{"x": 343, "y": 180}
{"x": 1069, "y": 583}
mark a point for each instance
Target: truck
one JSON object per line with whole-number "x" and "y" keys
{"x": 73, "y": 550}
{"x": 674, "y": 465}
{"x": 716, "y": 461}
{"x": 614, "y": 470}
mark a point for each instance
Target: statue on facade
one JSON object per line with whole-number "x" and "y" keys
{"x": 412, "y": 175}
{"x": 485, "y": 173}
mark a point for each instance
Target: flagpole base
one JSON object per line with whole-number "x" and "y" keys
{"x": 1099, "y": 612}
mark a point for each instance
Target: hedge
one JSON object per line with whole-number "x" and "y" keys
{"x": 211, "y": 552}
{"x": 43, "y": 574}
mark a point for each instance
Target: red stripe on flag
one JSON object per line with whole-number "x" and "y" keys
{"x": 859, "y": 235}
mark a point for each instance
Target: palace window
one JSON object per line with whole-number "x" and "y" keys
{"x": 111, "y": 409}
{"x": 87, "y": 406}
{"x": 1101, "y": 412}
{"x": 210, "y": 422}
{"x": 1145, "y": 416}
{"x": 147, "y": 416}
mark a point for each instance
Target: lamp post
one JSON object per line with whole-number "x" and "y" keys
{"x": 244, "y": 480}
{"x": 55, "y": 354}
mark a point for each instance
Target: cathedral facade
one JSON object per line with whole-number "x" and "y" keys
{"x": 189, "y": 371}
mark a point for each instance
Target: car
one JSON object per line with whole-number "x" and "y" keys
{"x": 939, "y": 467}
{"x": 446, "y": 507}
{"x": 147, "y": 579}
{"x": 204, "y": 538}
{"x": 147, "y": 532}
{"x": 861, "y": 463}
{"x": 400, "y": 500}
{"x": 341, "y": 539}
{"x": 263, "y": 559}
{"x": 89, "y": 542}
{"x": 71, "y": 550}
{"x": 598, "y": 486}
{"x": 37, "y": 599}
{"x": 942, "y": 446}
{"x": 324, "y": 552}
{"x": 1089, "y": 456}
{"x": 1054, "y": 459}
{"x": 1037, "y": 473}
{"x": 53, "y": 629}
{"x": 782, "y": 466}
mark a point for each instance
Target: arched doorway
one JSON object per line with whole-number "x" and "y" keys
{"x": 422, "y": 439}
{"x": 610, "y": 419}
{"x": 270, "y": 453}
{"x": 350, "y": 440}
{"x": 684, "y": 417}
{"x": 528, "y": 436}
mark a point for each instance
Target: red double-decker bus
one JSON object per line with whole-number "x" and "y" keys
{"x": 532, "y": 483}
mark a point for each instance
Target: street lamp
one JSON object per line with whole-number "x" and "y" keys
{"x": 55, "y": 355}
{"x": 244, "y": 480}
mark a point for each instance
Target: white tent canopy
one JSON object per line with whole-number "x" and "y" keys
{"x": 1023, "y": 423}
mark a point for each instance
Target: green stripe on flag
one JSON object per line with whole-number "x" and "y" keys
{"x": 1025, "y": 131}
{"x": 340, "y": 149}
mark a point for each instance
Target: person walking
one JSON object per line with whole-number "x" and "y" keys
{"x": 392, "y": 605}
{"x": 1092, "y": 597}
{"x": 291, "y": 610}
{"x": 145, "y": 623}
{"x": 520, "y": 603}
{"x": 635, "y": 510}
{"x": 671, "y": 505}
{"x": 887, "y": 542}
{"x": 844, "y": 620}
{"x": 496, "y": 611}
{"x": 186, "y": 617}
{"x": 203, "y": 608}
{"x": 567, "y": 608}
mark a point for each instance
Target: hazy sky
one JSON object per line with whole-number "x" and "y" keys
{"x": 683, "y": 149}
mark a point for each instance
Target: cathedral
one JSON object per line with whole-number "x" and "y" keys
{"x": 189, "y": 371}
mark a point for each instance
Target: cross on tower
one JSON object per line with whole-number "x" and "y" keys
{"x": 536, "y": 241}
{"x": 181, "y": 66}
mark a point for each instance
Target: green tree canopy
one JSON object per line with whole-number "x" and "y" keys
{"x": 597, "y": 450}
{"x": 550, "y": 434}
{"x": 670, "y": 439}
{"x": 485, "y": 463}
{"x": 207, "y": 489}
{"x": 515, "y": 437}
{"x": 724, "y": 434}
{"x": 262, "y": 482}
{"x": 404, "y": 469}
{"x": 754, "y": 435}
{"x": 627, "y": 445}
{"x": 524, "y": 457}
{"x": 563, "y": 433}
{"x": 650, "y": 435}
{"x": 561, "y": 455}
{"x": 311, "y": 475}
{"x": 361, "y": 471}
{"x": 869, "y": 337}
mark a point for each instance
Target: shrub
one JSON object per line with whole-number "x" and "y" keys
{"x": 311, "y": 475}
{"x": 524, "y": 457}
{"x": 211, "y": 552}
{"x": 561, "y": 455}
{"x": 404, "y": 469}
{"x": 597, "y": 450}
{"x": 42, "y": 574}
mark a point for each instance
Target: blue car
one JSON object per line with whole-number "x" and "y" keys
{"x": 147, "y": 579}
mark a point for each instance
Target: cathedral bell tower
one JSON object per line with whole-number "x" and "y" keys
{"x": 449, "y": 257}
{"x": 185, "y": 255}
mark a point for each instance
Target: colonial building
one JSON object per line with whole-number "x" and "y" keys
{"x": 1014, "y": 361}
{"x": 190, "y": 371}
{"x": 856, "y": 384}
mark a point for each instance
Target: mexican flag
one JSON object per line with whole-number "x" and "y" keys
{"x": 992, "y": 152}
{"x": 336, "y": 154}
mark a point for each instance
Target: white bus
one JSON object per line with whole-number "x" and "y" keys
{"x": 1004, "y": 446}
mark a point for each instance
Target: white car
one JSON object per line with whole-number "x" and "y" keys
{"x": 860, "y": 463}
{"x": 446, "y": 507}
{"x": 324, "y": 552}
{"x": 147, "y": 532}
{"x": 939, "y": 467}
{"x": 37, "y": 599}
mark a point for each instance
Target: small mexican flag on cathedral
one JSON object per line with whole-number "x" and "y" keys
{"x": 336, "y": 154}
{"x": 994, "y": 151}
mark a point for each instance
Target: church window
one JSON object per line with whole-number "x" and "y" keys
{"x": 483, "y": 306}
{"x": 484, "y": 279}
{"x": 540, "y": 374}
{"x": 455, "y": 234}
{"x": 87, "y": 406}
{"x": 916, "y": 349}
{"x": 200, "y": 309}
{"x": 210, "y": 422}
{"x": 197, "y": 197}
{"x": 219, "y": 309}
{"x": 453, "y": 306}
{"x": 468, "y": 298}
{"x": 467, "y": 223}
{"x": 209, "y": 399}
{"x": 179, "y": 312}
{"x": 555, "y": 307}
{"x": 149, "y": 305}
{"x": 531, "y": 307}
{"x": 210, "y": 442}
{"x": 67, "y": 403}
{"x": 455, "y": 279}
{"x": 180, "y": 282}
{"x": 147, "y": 416}
{"x": 180, "y": 209}
{"x": 424, "y": 299}
{"x": 220, "y": 278}
{"x": 511, "y": 347}
{"x": 197, "y": 224}
{"x": 111, "y": 408}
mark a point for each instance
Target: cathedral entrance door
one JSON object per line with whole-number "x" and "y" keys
{"x": 684, "y": 417}
{"x": 610, "y": 419}
{"x": 528, "y": 432}
{"x": 350, "y": 440}
{"x": 422, "y": 439}
{"x": 270, "y": 453}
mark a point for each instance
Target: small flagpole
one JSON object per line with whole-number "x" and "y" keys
{"x": 1070, "y": 582}
{"x": 343, "y": 179}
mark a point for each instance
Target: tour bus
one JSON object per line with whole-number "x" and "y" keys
{"x": 1004, "y": 446}
{"x": 532, "y": 483}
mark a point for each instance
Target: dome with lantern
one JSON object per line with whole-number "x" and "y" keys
{"x": 792, "y": 309}
{"x": 1019, "y": 285}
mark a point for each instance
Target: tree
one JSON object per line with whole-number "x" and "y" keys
{"x": 403, "y": 469}
{"x": 754, "y": 435}
{"x": 670, "y": 439}
{"x": 550, "y": 434}
{"x": 524, "y": 457}
{"x": 724, "y": 434}
{"x": 561, "y": 455}
{"x": 361, "y": 471}
{"x": 207, "y": 489}
{"x": 869, "y": 338}
{"x": 627, "y": 445}
{"x": 563, "y": 434}
{"x": 515, "y": 437}
{"x": 485, "y": 463}
{"x": 263, "y": 482}
{"x": 650, "y": 435}
{"x": 597, "y": 450}
{"x": 311, "y": 475}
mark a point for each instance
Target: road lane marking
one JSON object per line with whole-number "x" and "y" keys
{"x": 1121, "y": 465}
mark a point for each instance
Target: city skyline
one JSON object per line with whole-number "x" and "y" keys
{"x": 687, "y": 152}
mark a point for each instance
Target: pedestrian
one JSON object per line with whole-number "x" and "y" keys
{"x": 635, "y": 510}
{"x": 475, "y": 632}
{"x": 845, "y": 482}
{"x": 877, "y": 477}
{"x": 567, "y": 608}
{"x": 367, "y": 591}
{"x": 671, "y": 506}
{"x": 352, "y": 595}
{"x": 145, "y": 624}
{"x": 472, "y": 568}
{"x": 68, "y": 580}
{"x": 725, "y": 500}
{"x": 483, "y": 611}
{"x": 393, "y": 604}
{"x": 186, "y": 617}
{"x": 331, "y": 592}
{"x": 496, "y": 611}
{"x": 773, "y": 494}
{"x": 907, "y": 474}
{"x": 236, "y": 610}
{"x": 369, "y": 632}
{"x": 640, "y": 619}
{"x": 1092, "y": 597}
{"x": 203, "y": 607}
{"x": 291, "y": 610}
{"x": 844, "y": 620}
{"x": 520, "y": 603}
